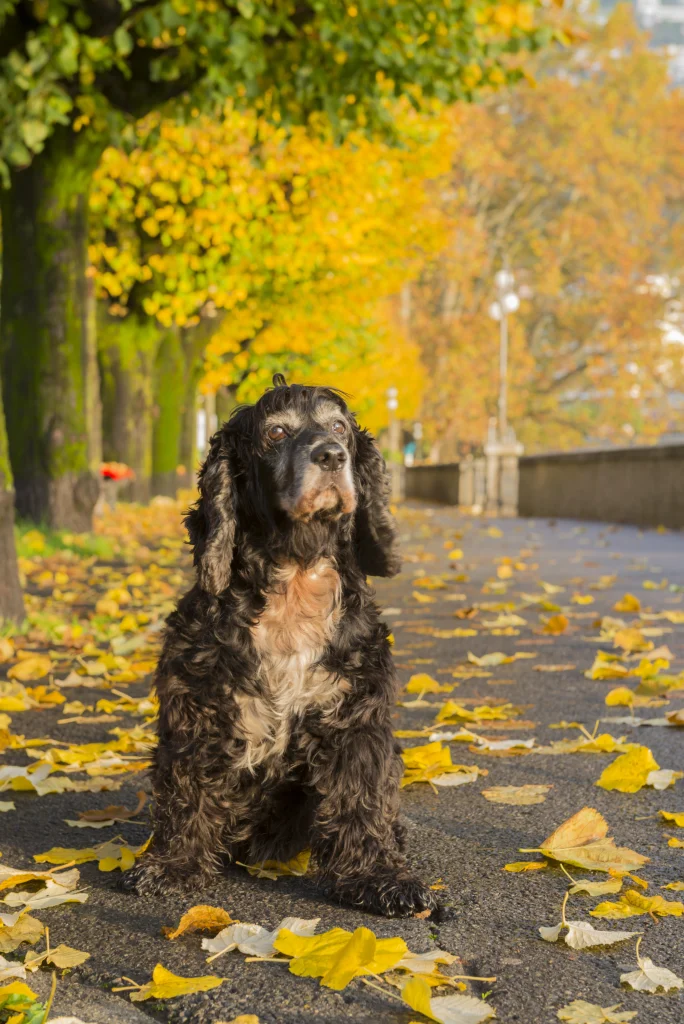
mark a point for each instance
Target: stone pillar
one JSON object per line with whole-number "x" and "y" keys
{"x": 479, "y": 485}
{"x": 466, "y": 483}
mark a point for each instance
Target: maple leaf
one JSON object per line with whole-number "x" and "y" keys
{"x": 25, "y": 929}
{"x": 676, "y": 817}
{"x": 425, "y": 963}
{"x": 199, "y": 918}
{"x": 62, "y": 957}
{"x": 649, "y": 978}
{"x": 11, "y": 969}
{"x": 338, "y": 956}
{"x": 457, "y": 1009}
{"x": 107, "y": 816}
{"x": 579, "y": 1011}
{"x": 582, "y": 935}
{"x": 253, "y": 939}
{"x": 165, "y": 985}
{"x": 296, "y": 867}
{"x": 431, "y": 762}
{"x": 633, "y": 903}
{"x": 583, "y": 841}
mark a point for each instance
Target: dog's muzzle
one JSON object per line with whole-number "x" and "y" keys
{"x": 326, "y": 484}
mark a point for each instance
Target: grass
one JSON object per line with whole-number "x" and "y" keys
{"x": 44, "y": 542}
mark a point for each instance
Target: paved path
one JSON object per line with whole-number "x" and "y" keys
{"x": 455, "y": 834}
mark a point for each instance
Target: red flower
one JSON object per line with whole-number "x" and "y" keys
{"x": 116, "y": 471}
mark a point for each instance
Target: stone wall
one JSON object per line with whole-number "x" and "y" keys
{"x": 438, "y": 484}
{"x": 643, "y": 486}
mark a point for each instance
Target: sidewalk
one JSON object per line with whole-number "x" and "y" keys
{"x": 456, "y": 837}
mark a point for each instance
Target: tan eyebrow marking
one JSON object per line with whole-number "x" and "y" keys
{"x": 286, "y": 418}
{"x": 325, "y": 409}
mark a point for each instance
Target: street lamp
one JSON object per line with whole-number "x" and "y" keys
{"x": 394, "y": 441}
{"x": 506, "y": 302}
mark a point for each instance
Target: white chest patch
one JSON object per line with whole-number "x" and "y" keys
{"x": 300, "y": 617}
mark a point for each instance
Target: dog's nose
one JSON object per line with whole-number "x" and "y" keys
{"x": 329, "y": 456}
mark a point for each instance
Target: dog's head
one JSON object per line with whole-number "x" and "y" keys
{"x": 293, "y": 468}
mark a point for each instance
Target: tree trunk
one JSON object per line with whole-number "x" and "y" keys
{"x": 194, "y": 341}
{"x": 225, "y": 403}
{"x": 11, "y": 598}
{"x": 47, "y": 333}
{"x": 128, "y": 350}
{"x": 169, "y": 397}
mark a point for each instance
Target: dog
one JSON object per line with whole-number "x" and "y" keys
{"x": 276, "y": 685}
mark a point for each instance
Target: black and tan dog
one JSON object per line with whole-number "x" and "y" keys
{"x": 276, "y": 685}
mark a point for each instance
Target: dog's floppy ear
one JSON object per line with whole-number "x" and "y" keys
{"x": 211, "y": 520}
{"x": 375, "y": 537}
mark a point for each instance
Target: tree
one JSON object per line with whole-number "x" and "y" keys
{"x": 576, "y": 185}
{"x": 71, "y": 73}
{"x": 254, "y": 246}
{"x": 11, "y": 599}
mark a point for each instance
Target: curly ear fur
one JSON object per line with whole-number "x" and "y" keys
{"x": 375, "y": 537}
{"x": 211, "y": 521}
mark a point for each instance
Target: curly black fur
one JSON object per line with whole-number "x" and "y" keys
{"x": 334, "y": 784}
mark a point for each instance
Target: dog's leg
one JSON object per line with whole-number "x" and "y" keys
{"x": 356, "y": 773}
{"x": 192, "y": 796}
{"x": 189, "y": 820}
{"x": 282, "y": 824}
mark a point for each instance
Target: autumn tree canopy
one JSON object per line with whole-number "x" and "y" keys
{"x": 72, "y": 74}
{"x": 233, "y": 248}
{"x": 574, "y": 183}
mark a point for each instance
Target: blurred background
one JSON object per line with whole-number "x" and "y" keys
{"x": 467, "y": 216}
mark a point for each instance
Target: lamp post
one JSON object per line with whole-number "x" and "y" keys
{"x": 506, "y": 302}
{"x": 502, "y": 450}
{"x": 394, "y": 441}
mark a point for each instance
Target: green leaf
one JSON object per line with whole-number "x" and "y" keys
{"x": 123, "y": 42}
{"x": 34, "y": 133}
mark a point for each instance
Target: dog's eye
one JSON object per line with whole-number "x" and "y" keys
{"x": 276, "y": 433}
{"x": 339, "y": 427}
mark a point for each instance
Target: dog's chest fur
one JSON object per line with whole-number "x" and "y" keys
{"x": 298, "y": 622}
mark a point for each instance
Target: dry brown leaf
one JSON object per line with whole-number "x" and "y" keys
{"x": 200, "y": 918}
{"x": 115, "y": 812}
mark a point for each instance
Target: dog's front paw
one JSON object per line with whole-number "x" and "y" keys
{"x": 390, "y": 893}
{"x": 153, "y": 877}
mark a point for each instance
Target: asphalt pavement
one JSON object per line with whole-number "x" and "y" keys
{"x": 455, "y": 834}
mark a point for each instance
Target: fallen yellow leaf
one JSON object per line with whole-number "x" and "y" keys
{"x": 556, "y": 625}
{"x": 34, "y": 667}
{"x": 518, "y": 795}
{"x": 677, "y": 818}
{"x": 423, "y": 683}
{"x": 297, "y": 866}
{"x": 165, "y": 985}
{"x": 628, "y": 603}
{"x": 520, "y": 866}
{"x": 632, "y": 904}
{"x": 583, "y": 841}
{"x": 337, "y": 956}
{"x": 629, "y": 772}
